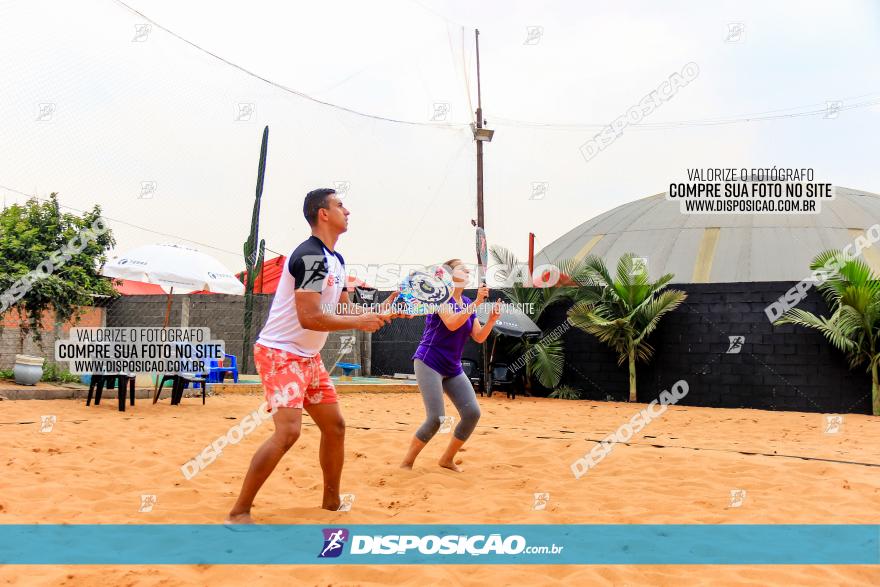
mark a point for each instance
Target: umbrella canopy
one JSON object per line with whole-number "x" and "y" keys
{"x": 173, "y": 266}
{"x": 512, "y": 321}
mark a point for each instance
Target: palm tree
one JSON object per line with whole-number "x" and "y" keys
{"x": 546, "y": 357}
{"x": 853, "y": 292}
{"x": 624, "y": 310}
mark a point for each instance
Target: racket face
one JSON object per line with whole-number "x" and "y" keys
{"x": 482, "y": 251}
{"x": 422, "y": 292}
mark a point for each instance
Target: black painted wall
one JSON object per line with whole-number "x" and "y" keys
{"x": 778, "y": 367}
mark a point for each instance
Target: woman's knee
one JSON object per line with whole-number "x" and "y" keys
{"x": 428, "y": 429}
{"x": 471, "y": 413}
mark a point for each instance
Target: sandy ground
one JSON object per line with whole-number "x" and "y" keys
{"x": 96, "y": 462}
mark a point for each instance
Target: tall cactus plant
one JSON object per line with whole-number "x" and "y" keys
{"x": 253, "y": 255}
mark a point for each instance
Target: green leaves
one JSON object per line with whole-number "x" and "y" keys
{"x": 548, "y": 359}
{"x": 650, "y": 312}
{"x": 621, "y": 310}
{"x": 565, "y": 392}
{"x": 624, "y": 309}
{"x": 853, "y": 293}
{"x": 546, "y": 366}
{"x": 33, "y": 233}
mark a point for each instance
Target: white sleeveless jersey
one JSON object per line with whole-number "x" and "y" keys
{"x": 312, "y": 267}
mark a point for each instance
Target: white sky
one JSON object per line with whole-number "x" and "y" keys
{"x": 160, "y": 110}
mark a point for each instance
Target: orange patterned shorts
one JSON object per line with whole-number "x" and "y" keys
{"x": 291, "y": 381}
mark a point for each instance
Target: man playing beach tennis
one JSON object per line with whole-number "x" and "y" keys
{"x": 287, "y": 352}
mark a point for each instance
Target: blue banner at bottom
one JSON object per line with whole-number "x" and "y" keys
{"x": 419, "y": 544}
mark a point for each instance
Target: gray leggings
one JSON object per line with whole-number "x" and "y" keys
{"x": 460, "y": 391}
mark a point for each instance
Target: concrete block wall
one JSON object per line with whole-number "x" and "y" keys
{"x": 224, "y": 315}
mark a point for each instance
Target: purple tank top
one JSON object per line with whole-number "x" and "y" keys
{"x": 440, "y": 348}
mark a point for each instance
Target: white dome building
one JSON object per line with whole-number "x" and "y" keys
{"x": 722, "y": 248}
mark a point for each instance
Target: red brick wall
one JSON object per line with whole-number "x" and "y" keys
{"x": 10, "y": 336}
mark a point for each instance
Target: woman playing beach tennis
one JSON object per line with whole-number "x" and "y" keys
{"x": 437, "y": 364}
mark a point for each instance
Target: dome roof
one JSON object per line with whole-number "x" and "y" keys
{"x": 719, "y": 248}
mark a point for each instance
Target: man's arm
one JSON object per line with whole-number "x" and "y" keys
{"x": 313, "y": 317}
{"x": 347, "y": 307}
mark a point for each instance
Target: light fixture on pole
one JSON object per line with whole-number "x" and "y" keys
{"x": 482, "y": 134}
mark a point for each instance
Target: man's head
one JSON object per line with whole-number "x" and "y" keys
{"x": 322, "y": 207}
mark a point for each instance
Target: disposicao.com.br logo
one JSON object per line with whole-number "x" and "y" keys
{"x": 430, "y": 544}
{"x": 334, "y": 541}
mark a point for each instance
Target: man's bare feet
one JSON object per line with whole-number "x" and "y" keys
{"x": 243, "y": 518}
{"x": 451, "y": 466}
{"x": 331, "y": 502}
{"x": 407, "y": 466}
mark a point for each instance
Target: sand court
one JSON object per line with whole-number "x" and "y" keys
{"x": 689, "y": 466}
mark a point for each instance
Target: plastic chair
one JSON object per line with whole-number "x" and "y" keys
{"x": 120, "y": 380}
{"x": 181, "y": 381}
{"x": 217, "y": 372}
{"x": 503, "y": 378}
{"x": 348, "y": 368}
{"x": 166, "y": 378}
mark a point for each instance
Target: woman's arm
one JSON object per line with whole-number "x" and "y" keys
{"x": 480, "y": 332}
{"x": 454, "y": 320}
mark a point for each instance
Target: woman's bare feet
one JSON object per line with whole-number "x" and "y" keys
{"x": 415, "y": 447}
{"x": 451, "y": 466}
{"x": 242, "y": 518}
{"x": 447, "y": 460}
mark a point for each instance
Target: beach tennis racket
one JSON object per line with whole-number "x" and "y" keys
{"x": 482, "y": 255}
{"x": 423, "y": 292}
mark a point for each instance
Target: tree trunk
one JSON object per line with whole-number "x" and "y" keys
{"x": 632, "y": 376}
{"x": 875, "y": 390}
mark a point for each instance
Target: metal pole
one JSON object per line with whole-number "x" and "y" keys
{"x": 156, "y": 390}
{"x": 531, "y": 255}
{"x": 481, "y": 220}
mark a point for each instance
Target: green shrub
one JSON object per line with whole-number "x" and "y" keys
{"x": 52, "y": 372}
{"x": 566, "y": 392}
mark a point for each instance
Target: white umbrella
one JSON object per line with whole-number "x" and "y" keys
{"x": 173, "y": 267}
